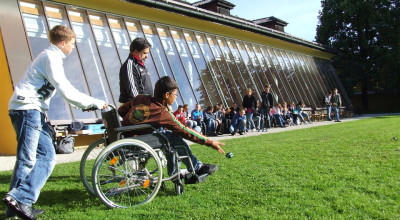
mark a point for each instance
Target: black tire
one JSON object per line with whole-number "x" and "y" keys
{"x": 127, "y": 173}
{"x": 87, "y": 162}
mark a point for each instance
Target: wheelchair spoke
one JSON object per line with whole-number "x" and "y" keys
{"x": 128, "y": 175}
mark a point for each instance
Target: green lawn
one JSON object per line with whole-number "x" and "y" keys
{"x": 341, "y": 171}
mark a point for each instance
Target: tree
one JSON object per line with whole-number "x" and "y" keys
{"x": 366, "y": 34}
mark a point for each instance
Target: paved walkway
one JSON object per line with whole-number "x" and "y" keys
{"x": 7, "y": 162}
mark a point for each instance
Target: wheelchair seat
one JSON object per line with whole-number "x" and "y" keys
{"x": 115, "y": 131}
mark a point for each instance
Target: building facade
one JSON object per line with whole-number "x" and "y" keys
{"x": 213, "y": 56}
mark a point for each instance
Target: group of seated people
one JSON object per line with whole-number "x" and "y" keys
{"x": 286, "y": 115}
{"x": 217, "y": 120}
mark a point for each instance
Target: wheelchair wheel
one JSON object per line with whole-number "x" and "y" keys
{"x": 87, "y": 163}
{"x": 127, "y": 173}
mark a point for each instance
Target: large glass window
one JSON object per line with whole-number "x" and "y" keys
{"x": 252, "y": 74}
{"x": 232, "y": 62}
{"x": 317, "y": 87}
{"x": 302, "y": 85}
{"x": 326, "y": 78}
{"x": 278, "y": 73}
{"x": 175, "y": 62}
{"x": 159, "y": 56}
{"x": 309, "y": 86}
{"x": 269, "y": 76}
{"x": 121, "y": 37}
{"x": 307, "y": 75}
{"x": 108, "y": 51}
{"x": 293, "y": 81}
{"x": 89, "y": 56}
{"x": 56, "y": 16}
{"x": 224, "y": 70}
{"x": 190, "y": 68}
{"x": 35, "y": 26}
{"x": 285, "y": 77}
{"x": 261, "y": 79}
{"x": 317, "y": 75}
{"x": 214, "y": 69}
{"x": 208, "y": 77}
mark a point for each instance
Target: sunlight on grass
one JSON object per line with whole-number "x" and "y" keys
{"x": 344, "y": 170}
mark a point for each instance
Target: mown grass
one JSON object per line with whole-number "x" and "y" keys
{"x": 341, "y": 171}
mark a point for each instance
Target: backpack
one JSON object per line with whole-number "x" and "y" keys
{"x": 66, "y": 145}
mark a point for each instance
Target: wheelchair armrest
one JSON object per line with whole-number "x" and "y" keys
{"x": 123, "y": 129}
{"x": 133, "y": 128}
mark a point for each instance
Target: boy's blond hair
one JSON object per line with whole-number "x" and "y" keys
{"x": 61, "y": 33}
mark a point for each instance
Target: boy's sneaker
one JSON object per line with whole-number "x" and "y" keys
{"x": 20, "y": 209}
{"x": 207, "y": 169}
{"x": 233, "y": 133}
{"x": 241, "y": 132}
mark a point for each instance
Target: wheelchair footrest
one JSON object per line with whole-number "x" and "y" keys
{"x": 194, "y": 178}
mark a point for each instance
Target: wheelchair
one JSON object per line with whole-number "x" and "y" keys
{"x": 125, "y": 172}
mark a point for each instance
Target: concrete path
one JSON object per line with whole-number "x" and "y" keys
{"x": 7, "y": 162}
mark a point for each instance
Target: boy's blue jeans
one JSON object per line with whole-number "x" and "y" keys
{"x": 328, "y": 111}
{"x": 250, "y": 122}
{"x": 336, "y": 109}
{"x": 266, "y": 116}
{"x": 36, "y": 156}
{"x": 176, "y": 140}
{"x": 211, "y": 126}
{"x": 241, "y": 126}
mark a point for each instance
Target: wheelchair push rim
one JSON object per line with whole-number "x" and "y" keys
{"x": 127, "y": 173}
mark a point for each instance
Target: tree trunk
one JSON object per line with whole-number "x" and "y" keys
{"x": 364, "y": 99}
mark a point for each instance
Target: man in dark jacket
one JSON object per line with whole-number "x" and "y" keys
{"x": 134, "y": 78}
{"x": 266, "y": 105}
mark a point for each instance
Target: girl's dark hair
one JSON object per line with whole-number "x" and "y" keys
{"x": 139, "y": 44}
{"x": 163, "y": 85}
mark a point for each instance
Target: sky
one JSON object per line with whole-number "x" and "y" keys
{"x": 302, "y": 15}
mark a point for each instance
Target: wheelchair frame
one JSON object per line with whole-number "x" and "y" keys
{"x": 119, "y": 177}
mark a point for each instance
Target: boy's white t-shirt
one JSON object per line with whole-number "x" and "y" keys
{"x": 44, "y": 76}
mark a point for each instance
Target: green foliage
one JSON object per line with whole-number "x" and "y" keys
{"x": 366, "y": 35}
{"x": 341, "y": 171}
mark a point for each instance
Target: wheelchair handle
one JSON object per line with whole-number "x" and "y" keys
{"x": 111, "y": 106}
{"x": 90, "y": 109}
{"x": 95, "y": 108}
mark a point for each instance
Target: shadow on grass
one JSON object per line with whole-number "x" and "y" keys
{"x": 5, "y": 178}
{"x": 71, "y": 179}
{"x": 385, "y": 117}
{"x": 75, "y": 197}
